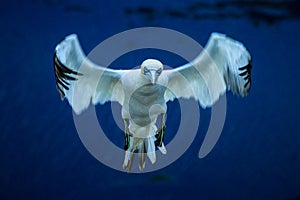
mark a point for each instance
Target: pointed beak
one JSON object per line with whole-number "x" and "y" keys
{"x": 153, "y": 77}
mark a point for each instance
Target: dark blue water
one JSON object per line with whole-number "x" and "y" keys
{"x": 42, "y": 157}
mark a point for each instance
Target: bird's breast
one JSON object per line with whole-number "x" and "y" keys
{"x": 145, "y": 103}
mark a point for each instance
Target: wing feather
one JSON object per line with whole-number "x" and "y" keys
{"x": 224, "y": 64}
{"x": 80, "y": 81}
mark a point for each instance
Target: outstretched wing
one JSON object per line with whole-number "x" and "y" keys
{"x": 81, "y": 81}
{"x": 223, "y": 64}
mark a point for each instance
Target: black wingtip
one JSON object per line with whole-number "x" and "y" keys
{"x": 62, "y": 75}
{"x": 246, "y": 74}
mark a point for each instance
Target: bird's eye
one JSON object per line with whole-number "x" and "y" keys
{"x": 158, "y": 71}
{"x": 146, "y": 70}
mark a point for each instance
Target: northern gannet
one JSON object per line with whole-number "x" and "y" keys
{"x": 224, "y": 64}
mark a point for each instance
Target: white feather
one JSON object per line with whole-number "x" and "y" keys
{"x": 216, "y": 69}
{"x": 96, "y": 83}
{"x": 224, "y": 64}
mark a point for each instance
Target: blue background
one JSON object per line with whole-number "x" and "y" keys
{"x": 42, "y": 157}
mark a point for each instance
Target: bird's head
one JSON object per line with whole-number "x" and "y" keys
{"x": 151, "y": 69}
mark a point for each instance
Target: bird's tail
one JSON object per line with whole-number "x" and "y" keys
{"x": 144, "y": 147}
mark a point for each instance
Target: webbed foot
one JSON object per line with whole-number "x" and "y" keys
{"x": 159, "y": 142}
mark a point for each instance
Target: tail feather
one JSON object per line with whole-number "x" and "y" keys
{"x": 129, "y": 155}
{"x": 142, "y": 155}
{"x": 144, "y": 147}
{"x": 151, "y": 149}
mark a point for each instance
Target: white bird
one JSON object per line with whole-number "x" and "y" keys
{"x": 143, "y": 93}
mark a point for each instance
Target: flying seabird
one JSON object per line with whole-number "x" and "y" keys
{"x": 224, "y": 64}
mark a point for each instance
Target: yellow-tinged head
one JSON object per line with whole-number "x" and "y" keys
{"x": 151, "y": 69}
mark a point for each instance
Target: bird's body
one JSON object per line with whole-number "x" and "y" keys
{"x": 139, "y": 98}
{"x": 143, "y": 93}
{"x": 143, "y": 103}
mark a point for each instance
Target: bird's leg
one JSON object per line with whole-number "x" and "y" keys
{"x": 161, "y": 132}
{"x": 126, "y": 135}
